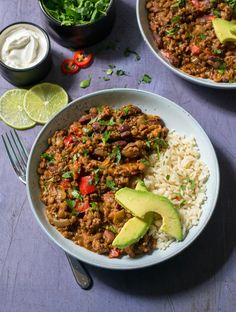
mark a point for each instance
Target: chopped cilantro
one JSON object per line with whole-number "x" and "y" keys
{"x": 148, "y": 143}
{"x": 75, "y": 213}
{"x": 202, "y": 36}
{"x": 112, "y": 66}
{"x": 126, "y": 109}
{"x": 106, "y": 78}
{"x": 111, "y": 228}
{"x": 116, "y": 154}
{"x": 67, "y": 175}
{"x": 94, "y": 206}
{"x": 85, "y": 152}
{"x": 96, "y": 176}
{"x": 70, "y": 203}
{"x": 176, "y": 19}
{"x": 172, "y": 31}
{"x": 216, "y": 51}
{"x": 110, "y": 122}
{"x": 128, "y": 52}
{"x": 74, "y": 157}
{"x": 106, "y": 136}
{"x": 74, "y": 12}
{"x": 47, "y": 156}
{"x": 168, "y": 177}
{"x": 76, "y": 194}
{"x": 110, "y": 184}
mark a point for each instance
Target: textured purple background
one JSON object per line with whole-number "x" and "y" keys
{"x": 34, "y": 273}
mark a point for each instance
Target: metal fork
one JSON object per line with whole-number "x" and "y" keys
{"x": 18, "y": 156}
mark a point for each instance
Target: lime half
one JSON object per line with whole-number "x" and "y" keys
{"x": 12, "y": 109}
{"x": 42, "y": 101}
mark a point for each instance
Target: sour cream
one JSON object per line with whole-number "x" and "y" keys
{"x": 22, "y": 46}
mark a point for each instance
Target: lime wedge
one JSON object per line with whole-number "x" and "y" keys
{"x": 42, "y": 101}
{"x": 12, "y": 109}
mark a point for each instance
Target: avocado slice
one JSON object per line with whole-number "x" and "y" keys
{"x": 140, "y": 203}
{"x": 224, "y": 30}
{"x": 135, "y": 228}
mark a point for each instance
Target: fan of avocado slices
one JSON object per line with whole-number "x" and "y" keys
{"x": 143, "y": 204}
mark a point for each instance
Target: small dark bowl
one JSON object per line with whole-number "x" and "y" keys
{"x": 27, "y": 76}
{"x": 81, "y": 35}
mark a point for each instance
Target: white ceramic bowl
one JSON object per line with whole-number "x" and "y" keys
{"x": 175, "y": 117}
{"x": 141, "y": 13}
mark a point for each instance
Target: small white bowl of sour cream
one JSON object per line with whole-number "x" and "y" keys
{"x": 25, "y": 53}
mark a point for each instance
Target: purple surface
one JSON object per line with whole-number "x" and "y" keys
{"x": 34, "y": 273}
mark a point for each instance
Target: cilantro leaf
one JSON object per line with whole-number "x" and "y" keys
{"x": 106, "y": 136}
{"x": 128, "y": 52}
{"x": 67, "y": 175}
{"x": 110, "y": 184}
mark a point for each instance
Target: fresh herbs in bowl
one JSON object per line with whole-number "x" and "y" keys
{"x": 75, "y": 12}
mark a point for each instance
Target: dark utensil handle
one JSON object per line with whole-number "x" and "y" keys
{"x": 81, "y": 275}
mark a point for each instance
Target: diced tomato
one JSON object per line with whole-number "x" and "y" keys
{"x": 68, "y": 140}
{"x": 195, "y": 49}
{"x": 114, "y": 253}
{"x": 82, "y": 207}
{"x": 86, "y": 186}
{"x": 65, "y": 184}
{"x": 82, "y": 59}
{"x": 68, "y": 67}
{"x": 209, "y": 17}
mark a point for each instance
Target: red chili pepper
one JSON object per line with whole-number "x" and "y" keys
{"x": 114, "y": 253}
{"x": 65, "y": 184}
{"x": 68, "y": 140}
{"x": 195, "y": 50}
{"x": 69, "y": 67}
{"x": 82, "y": 59}
{"x": 82, "y": 207}
{"x": 85, "y": 185}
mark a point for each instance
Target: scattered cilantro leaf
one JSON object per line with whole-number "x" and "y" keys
{"x": 106, "y": 78}
{"x": 85, "y": 83}
{"x": 121, "y": 72}
{"x": 109, "y": 71}
{"x": 146, "y": 79}
{"x": 94, "y": 206}
{"x": 128, "y": 52}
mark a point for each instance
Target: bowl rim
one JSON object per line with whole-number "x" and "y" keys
{"x": 55, "y": 21}
{"x": 22, "y": 70}
{"x": 178, "y": 72}
{"x": 113, "y": 265}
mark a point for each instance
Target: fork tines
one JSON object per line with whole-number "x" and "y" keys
{"x": 16, "y": 151}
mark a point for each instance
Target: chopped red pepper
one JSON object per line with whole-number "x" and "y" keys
{"x": 82, "y": 207}
{"x": 86, "y": 186}
{"x": 69, "y": 67}
{"x": 114, "y": 253}
{"x": 195, "y": 50}
{"x": 65, "y": 184}
{"x": 68, "y": 140}
{"x": 82, "y": 59}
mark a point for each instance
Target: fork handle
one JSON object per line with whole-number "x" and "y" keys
{"x": 81, "y": 275}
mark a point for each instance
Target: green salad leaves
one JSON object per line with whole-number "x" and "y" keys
{"x": 74, "y": 12}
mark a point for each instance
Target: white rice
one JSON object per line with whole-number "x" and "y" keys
{"x": 181, "y": 176}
